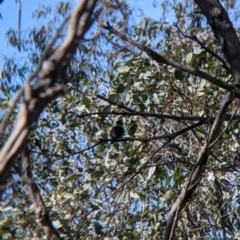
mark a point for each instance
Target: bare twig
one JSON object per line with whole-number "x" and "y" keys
{"x": 194, "y": 38}
{"x": 143, "y": 140}
{"x": 174, "y": 135}
{"x": 124, "y": 13}
{"x": 83, "y": 150}
{"x": 116, "y": 104}
{"x": 19, "y": 20}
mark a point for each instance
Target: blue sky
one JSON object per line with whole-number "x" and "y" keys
{"x": 9, "y": 12}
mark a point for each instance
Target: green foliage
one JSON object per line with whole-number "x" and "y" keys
{"x": 124, "y": 190}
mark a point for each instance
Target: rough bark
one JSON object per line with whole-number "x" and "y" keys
{"x": 225, "y": 33}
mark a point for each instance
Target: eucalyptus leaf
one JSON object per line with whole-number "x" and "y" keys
{"x": 123, "y": 69}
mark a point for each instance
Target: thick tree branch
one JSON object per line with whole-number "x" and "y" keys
{"x": 224, "y": 32}
{"x": 198, "y": 170}
{"x": 44, "y": 91}
{"x": 44, "y": 57}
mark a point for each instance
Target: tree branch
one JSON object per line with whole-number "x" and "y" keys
{"x": 224, "y": 32}
{"x": 194, "y": 38}
{"x": 19, "y": 20}
{"x": 44, "y": 57}
{"x": 42, "y": 214}
{"x": 114, "y": 103}
{"x": 198, "y": 170}
{"x": 44, "y": 90}
{"x": 160, "y": 59}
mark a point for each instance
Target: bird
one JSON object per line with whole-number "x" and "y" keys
{"x": 117, "y": 131}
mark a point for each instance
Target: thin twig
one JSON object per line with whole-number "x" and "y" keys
{"x": 160, "y": 116}
{"x": 194, "y": 38}
{"x": 116, "y": 104}
{"x": 19, "y": 20}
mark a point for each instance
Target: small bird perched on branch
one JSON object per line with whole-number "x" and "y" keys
{"x": 117, "y": 131}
